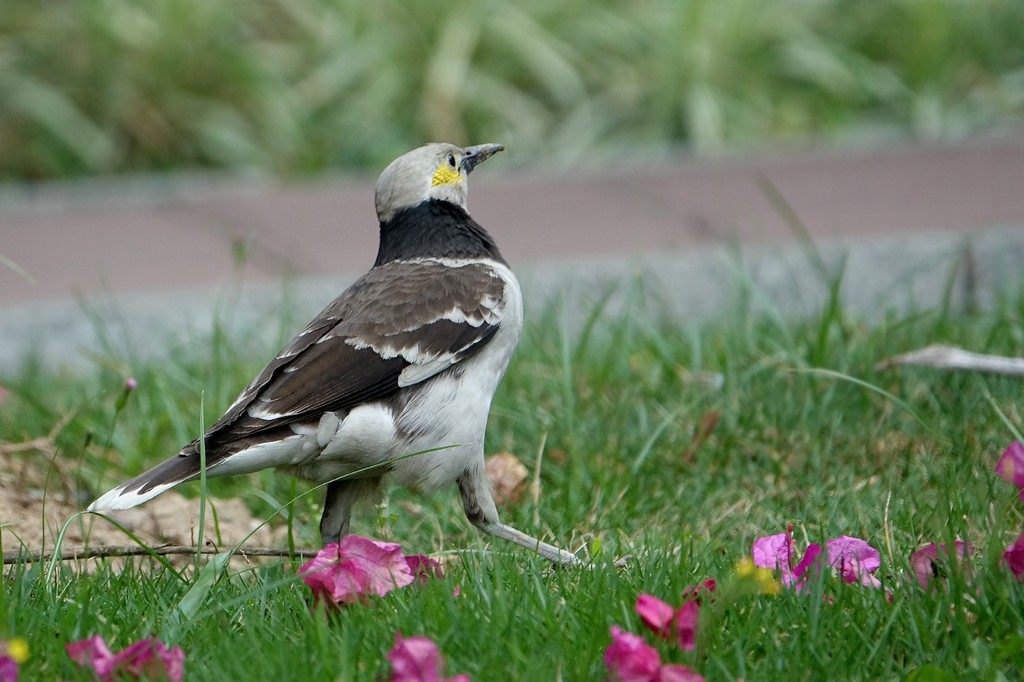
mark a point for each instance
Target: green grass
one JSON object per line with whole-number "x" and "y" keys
{"x": 809, "y": 433}
{"x": 298, "y": 86}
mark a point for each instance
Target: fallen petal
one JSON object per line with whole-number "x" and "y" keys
{"x": 423, "y": 567}
{"x": 809, "y": 559}
{"x": 316, "y": 572}
{"x": 146, "y": 659}
{"x": 382, "y": 563}
{"x": 355, "y": 568}
{"x": 629, "y": 659}
{"x": 1010, "y": 466}
{"x": 931, "y": 561}
{"x": 150, "y": 659}
{"x": 417, "y": 659}
{"x": 773, "y": 551}
{"x": 686, "y": 625}
{"x": 93, "y": 653}
{"x": 8, "y": 669}
{"x": 854, "y": 558}
{"x": 1013, "y": 557}
{"x": 656, "y": 614}
{"x": 414, "y": 659}
{"x": 846, "y": 548}
{"x": 673, "y": 672}
{"x": 777, "y": 552}
{"x": 696, "y": 593}
{"x": 869, "y": 580}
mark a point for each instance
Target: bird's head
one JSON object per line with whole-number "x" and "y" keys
{"x": 433, "y": 171}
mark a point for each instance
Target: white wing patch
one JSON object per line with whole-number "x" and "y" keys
{"x": 415, "y": 373}
{"x": 425, "y": 364}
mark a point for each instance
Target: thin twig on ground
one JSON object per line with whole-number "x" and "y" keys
{"x": 111, "y": 551}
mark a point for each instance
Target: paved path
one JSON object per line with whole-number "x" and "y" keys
{"x": 193, "y": 234}
{"x": 164, "y": 252}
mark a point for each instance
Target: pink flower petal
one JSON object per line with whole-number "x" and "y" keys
{"x": 656, "y": 614}
{"x": 629, "y": 659}
{"x": 148, "y": 659}
{"x": 686, "y": 625}
{"x": 928, "y": 562}
{"x": 778, "y": 552}
{"x": 1010, "y": 466}
{"x": 678, "y": 673}
{"x": 417, "y": 659}
{"x": 382, "y": 563}
{"x": 355, "y": 568}
{"x": 8, "y": 666}
{"x": 800, "y": 576}
{"x": 317, "y": 572}
{"x": 696, "y": 593}
{"x": 92, "y": 653}
{"x": 773, "y": 551}
{"x": 1014, "y": 557}
{"x": 423, "y": 567}
{"x": 855, "y": 559}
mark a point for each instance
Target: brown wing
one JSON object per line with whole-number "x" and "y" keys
{"x": 400, "y": 324}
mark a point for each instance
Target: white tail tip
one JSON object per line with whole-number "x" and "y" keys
{"x": 118, "y": 499}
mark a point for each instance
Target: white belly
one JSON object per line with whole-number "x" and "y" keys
{"x": 426, "y": 434}
{"x": 446, "y": 415}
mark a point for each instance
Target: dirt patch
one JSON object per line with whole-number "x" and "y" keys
{"x": 34, "y": 507}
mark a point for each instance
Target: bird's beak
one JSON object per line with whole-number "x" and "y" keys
{"x": 471, "y": 156}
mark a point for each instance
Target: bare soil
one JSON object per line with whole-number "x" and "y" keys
{"x": 37, "y": 500}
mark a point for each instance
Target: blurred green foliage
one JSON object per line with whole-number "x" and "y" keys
{"x": 297, "y": 86}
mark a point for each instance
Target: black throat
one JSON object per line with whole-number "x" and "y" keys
{"x": 434, "y": 229}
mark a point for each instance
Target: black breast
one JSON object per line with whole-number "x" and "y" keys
{"x": 434, "y": 229}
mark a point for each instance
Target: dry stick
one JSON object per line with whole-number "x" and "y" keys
{"x": 953, "y": 358}
{"x": 708, "y": 421}
{"x": 108, "y": 551}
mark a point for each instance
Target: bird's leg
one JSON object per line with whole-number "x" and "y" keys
{"x": 341, "y": 496}
{"x": 481, "y": 512}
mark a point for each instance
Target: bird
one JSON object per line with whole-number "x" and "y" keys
{"x": 392, "y": 382}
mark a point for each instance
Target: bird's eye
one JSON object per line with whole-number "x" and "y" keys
{"x": 451, "y": 160}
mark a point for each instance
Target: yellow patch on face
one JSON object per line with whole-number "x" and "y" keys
{"x": 446, "y": 175}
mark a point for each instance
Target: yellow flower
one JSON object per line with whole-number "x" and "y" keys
{"x": 17, "y": 650}
{"x": 762, "y": 577}
{"x": 745, "y": 568}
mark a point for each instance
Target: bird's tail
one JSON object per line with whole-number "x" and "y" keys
{"x": 148, "y": 485}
